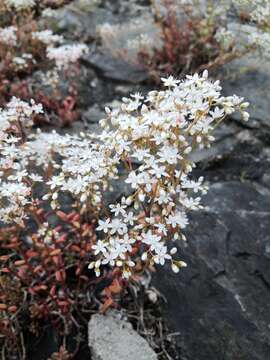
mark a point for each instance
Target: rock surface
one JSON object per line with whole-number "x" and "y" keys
{"x": 116, "y": 69}
{"x": 250, "y": 77}
{"x": 220, "y": 304}
{"x": 111, "y": 338}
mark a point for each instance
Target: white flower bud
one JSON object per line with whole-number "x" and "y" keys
{"x": 205, "y": 74}
{"x": 173, "y": 251}
{"x": 245, "y": 115}
{"x": 188, "y": 150}
{"x": 175, "y": 268}
{"x": 152, "y": 296}
{"x": 144, "y": 256}
{"x": 107, "y": 110}
{"x": 83, "y": 198}
{"x": 136, "y": 205}
{"x": 141, "y": 197}
{"x": 129, "y": 201}
{"x": 244, "y": 105}
{"x": 91, "y": 265}
{"x": 102, "y": 123}
{"x": 182, "y": 264}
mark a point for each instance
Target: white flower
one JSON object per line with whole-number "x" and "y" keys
{"x": 190, "y": 203}
{"x": 169, "y": 154}
{"x": 164, "y": 198}
{"x": 170, "y": 81}
{"x": 140, "y": 154}
{"x": 158, "y": 171}
{"x": 217, "y": 113}
{"x": 118, "y": 226}
{"x": 122, "y": 146}
{"x": 161, "y": 228}
{"x": 56, "y": 181}
{"x": 161, "y": 255}
{"x": 130, "y": 218}
{"x": 194, "y": 185}
{"x": 133, "y": 179}
{"x": 137, "y": 96}
{"x": 104, "y": 225}
{"x": 99, "y": 247}
{"x": 18, "y": 176}
{"x": 127, "y": 241}
{"x": 178, "y": 219}
{"x": 151, "y": 239}
{"x": 109, "y": 258}
{"x": 118, "y": 209}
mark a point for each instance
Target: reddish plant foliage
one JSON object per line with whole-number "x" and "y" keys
{"x": 60, "y": 110}
{"x": 19, "y": 81}
{"x": 44, "y": 277}
{"x": 188, "y": 44}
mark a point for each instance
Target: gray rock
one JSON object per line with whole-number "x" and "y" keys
{"x": 80, "y": 19}
{"x": 111, "y": 338}
{"x": 225, "y": 142}
{"x": 250, "y": 77}
{"x": 219, "y": 149}
{"x": 93, "y": 114}
{"x": 220, "y": 303}
{"x": 116, "y": 68}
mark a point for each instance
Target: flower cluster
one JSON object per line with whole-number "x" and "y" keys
{"x": 62, "y": 55}
{"x": 47, "y": 37}
{"x": 152, "y": 138}
{"x": 57, "y": 214}
{"x": 66, "y": 54}
{"x": 8, "y": 36}
{"x": 15, "y": 193}
{"x": 20, "y": 4}
{"x": 25, "y": 47}
{"x": 167, "y": 126}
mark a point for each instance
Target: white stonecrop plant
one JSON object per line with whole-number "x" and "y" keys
{"x": 20, "y": 5}
{"x": 61, "y": 53}
{"x": 47, "y": 37}
{"x": 66, "y": 54}
{"x": 15, "y": 182}
{"x": 151, "y": 137}
{"x": 8, "y": 35}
